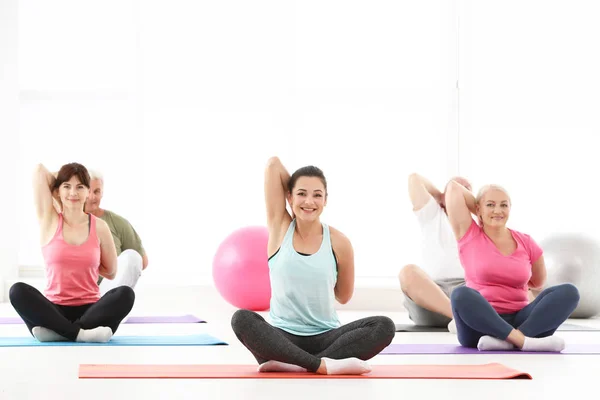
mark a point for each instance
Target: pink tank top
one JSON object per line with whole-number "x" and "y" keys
{"x": 72, "y": 271}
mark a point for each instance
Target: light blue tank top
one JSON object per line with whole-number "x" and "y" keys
{"x": 302, "y": 287}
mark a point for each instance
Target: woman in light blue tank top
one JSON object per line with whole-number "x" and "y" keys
{"x": 311, "y": 267}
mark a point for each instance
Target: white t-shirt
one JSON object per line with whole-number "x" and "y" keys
{"x": 440, "y": 251}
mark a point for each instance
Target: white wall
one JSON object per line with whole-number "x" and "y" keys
{"x": 529, "y": 102}
{"x": 77, "y": 64}
{"x": 9, "y": 141}
{"x": 182, "y": 103}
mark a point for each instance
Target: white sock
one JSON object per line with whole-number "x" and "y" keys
{"x": 452, "y": 326}
{"x": 548, "y": 343}
{"x": 494, "y": 344}
{"x": 278, "y": 366}
{"x": 346, "y": 366}
{"x": 47, "y": 335}
{"x": 101, "y": 334}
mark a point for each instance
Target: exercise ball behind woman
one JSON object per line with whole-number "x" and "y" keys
{"x": 241, "y": 269}
{"x": 575, "y": 258}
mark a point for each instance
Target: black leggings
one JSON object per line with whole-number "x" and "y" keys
{"x": 363, "y": 339}
{"x": 37, "y": 310}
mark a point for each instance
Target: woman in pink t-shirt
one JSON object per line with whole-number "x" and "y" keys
{"x": 492, "y": 312}
{"x": 77, "y": 247}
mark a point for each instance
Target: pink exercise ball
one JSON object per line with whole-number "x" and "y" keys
{"x": 241, "y": 269}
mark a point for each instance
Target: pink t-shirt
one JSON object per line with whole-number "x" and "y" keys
{"x": 72, "y": 271}
{"x": 501, "y": 280}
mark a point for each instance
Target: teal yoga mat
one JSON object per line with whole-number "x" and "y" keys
{"x": 156, "y": 319}
{"x": 179, "y": 340}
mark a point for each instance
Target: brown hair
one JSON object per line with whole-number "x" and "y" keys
{"x": 310, "y": 171}
{"x": 67, "y": 171}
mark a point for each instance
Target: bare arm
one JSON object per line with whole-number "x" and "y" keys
{"x": 43, "y": 181}
{"x": 460, "y": 203}
{"x": 144, "y": 261}
{"x": 420, "y": 190}
{"x": 276, "y": 180}
{"x": 538, "y": 274}
{"x": 108, "y": 251}
{"x": 344, "y": 288}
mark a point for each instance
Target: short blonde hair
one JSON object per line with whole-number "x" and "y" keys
{"x": 486, "y": 188}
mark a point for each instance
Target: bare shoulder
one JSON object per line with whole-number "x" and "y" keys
{"x": 102, "y": 228}
{"x": 101, "y": 224}
{"x": 339, "y": 241}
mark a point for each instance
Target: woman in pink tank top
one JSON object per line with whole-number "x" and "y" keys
{"x": 77, "y": 247}
{"x": 492, "y": 312}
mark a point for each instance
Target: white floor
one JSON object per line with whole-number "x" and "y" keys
{"x": 51, "y": 372}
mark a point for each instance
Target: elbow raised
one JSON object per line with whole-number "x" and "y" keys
{"x": 39, "y": 171}
{"x": 414, "y": 177}
{"x": 453, "y": 189}
{"x": 273, "y": 162}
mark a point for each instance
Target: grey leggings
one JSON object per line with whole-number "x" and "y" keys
{"x": 363, "y": 339}
{"x": 475, "y": 317}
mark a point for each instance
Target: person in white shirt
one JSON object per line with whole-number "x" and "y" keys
{"x": 427, "y": 287}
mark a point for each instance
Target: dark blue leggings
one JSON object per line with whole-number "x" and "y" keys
{"x": 475, "y": 317}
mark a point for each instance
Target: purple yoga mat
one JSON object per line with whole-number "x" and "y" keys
{"x": 179, "y": 319}
{"x": 10, "y": 320}
{"x": 175, "y": 319}
{"x": 407, "y": 348}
